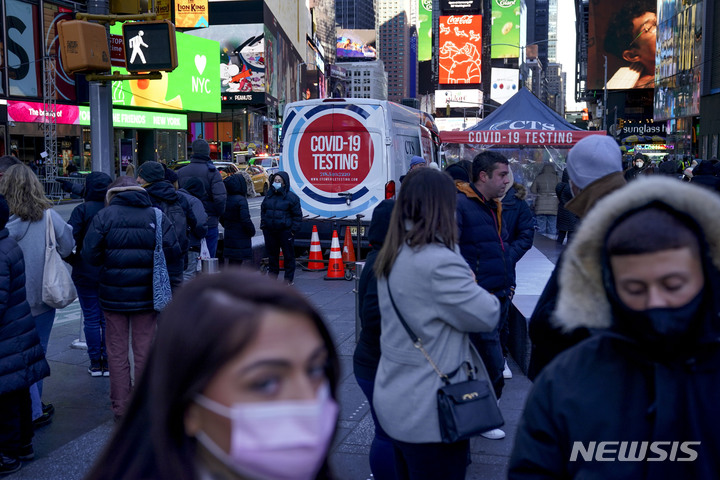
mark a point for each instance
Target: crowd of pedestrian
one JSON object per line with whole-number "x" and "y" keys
{"x": 237, "y": 376}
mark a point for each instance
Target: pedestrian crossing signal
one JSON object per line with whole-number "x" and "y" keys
{"x": 150, "y": 46}
{"x": 83, "y": 46}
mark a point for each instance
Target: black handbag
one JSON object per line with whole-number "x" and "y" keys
{"x": 465, "y": 409}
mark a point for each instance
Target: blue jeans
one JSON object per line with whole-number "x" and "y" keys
{"x": 382, "y": 455}
{"x": 490, "y": 348}
{"x": 191, "y": 268}
{"x": 547, "y": 224}
{"x": 212, "y": 240}
{"x": 43, "y": 324}
{"x": 93, "y": 322}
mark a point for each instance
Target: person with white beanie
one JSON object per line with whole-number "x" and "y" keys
{"x": 594, "y": 166}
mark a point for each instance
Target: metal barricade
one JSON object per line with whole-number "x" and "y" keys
{"x": 54, "y": 191}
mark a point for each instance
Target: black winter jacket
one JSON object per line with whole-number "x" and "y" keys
{"x": 202, "y": 168}
{"x": 164, "y": 196}
{"x": 238, "y": 225}
{"x": 22, "y": 360}
{"x": 566, "y": 220}
{"x": 122, "y": 240}
{"x": 367, "y": 351}
{"x": 483, "y": 241}
{"x": 280, "y": 210}
{"x": 519, "y": 222}
{"x": 83, "y": 273}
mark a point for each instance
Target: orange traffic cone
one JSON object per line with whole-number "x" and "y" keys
{"x": 316, "y": 260}
{"x": 348, "y": 254}
{"x": 282, "y": 260}
{"x": 336, "y": 269}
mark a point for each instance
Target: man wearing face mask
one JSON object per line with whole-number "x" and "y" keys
{"x": 637, "y": 168}
{"x": 641, "y": 275}
{"x": 280, "y": 218}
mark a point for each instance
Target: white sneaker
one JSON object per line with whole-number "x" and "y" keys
{"x": 507, "y": 373}
{"x": 494, "y": 434}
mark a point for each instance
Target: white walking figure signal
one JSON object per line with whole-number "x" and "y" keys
{"x": 135, "y": 43}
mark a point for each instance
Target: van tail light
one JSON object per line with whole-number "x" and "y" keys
{"x": 390, "y": 190}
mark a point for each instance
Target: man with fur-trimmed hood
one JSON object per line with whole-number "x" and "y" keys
{"x": 594, "y": 167}
{"x": 641, "y": 275}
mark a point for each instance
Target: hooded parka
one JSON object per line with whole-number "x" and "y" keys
{"x": 238, "y": 225}
{"x": 122, "y": 241}
{"x": 614, "y": 387}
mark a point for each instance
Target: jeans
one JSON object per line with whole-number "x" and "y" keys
{"x": 211, "y": 238}
{"x": 191, "y": 268}
{"x": 490, "y": 348}
{"x": 431, "y": 461}
{"x": 382, "y": 454}
{"x": 274, "y": 241}
{"x": 138, "y": 327}
{"x": 547, "y": 224}
{"x": 43, "y": 324}
{"x": 93, "y": 322}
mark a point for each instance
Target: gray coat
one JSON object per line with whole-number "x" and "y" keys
{"x": 31, "y": 238}
{"x": 436, "y": 293}
{"x": 543, "y": 186}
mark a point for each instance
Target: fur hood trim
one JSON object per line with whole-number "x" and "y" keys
{"x": 114, "y": 191}
{"x": 582, "y": 300}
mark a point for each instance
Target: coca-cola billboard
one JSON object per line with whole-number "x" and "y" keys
{"x": 460, "y": 49}
{"x": 460, "y": 6}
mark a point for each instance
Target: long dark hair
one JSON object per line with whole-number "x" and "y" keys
{"x": 424, "y": 213}
{"x": 210, "y": 320}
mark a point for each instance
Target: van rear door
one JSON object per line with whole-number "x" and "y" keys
{"x": 333, "y": 154}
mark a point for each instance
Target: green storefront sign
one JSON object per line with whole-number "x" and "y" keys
{"x": 139, "y": 119}
{"x": 505, "y": 28}
{"x": 194, "y": 85}
{"x": 425, "y": 30}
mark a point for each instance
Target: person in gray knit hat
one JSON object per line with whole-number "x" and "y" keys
{"x": 594, "y": 166}
{"x": 202, "y": 168}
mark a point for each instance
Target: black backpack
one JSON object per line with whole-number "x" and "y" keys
{"x": 176, "y": 215}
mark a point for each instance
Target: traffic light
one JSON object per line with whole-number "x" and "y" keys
{"x": 150, "y": 46}
{"x": 129, "y": 7}
{"x": 83, "y": 46}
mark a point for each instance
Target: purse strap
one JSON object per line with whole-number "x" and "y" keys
{"x": 158, "y": 228}
{"x": 417, "y": 342}
{"x": 49, "y": 230}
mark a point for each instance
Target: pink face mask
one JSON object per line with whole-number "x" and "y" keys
{"x": 275, "y": 440}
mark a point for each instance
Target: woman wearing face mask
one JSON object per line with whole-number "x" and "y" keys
{"x": 642, "y": 274}
{"x": 280, "y": 218}
{"x": 240, "y": 385}
{"x": 636, "y": 170}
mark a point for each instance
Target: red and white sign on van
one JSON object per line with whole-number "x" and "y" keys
{"x": 335, "y": 153}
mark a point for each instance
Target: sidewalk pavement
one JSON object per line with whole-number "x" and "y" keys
{"x": 83, "y": 422}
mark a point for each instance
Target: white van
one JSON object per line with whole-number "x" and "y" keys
{"x": 344, "y": 156}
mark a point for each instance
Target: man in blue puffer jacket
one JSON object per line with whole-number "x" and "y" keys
{"x": 483, "y": 244}
{"x": 280, "y": 218}
{"x": 121, "y": 240}
{"x": 22, "y": 360}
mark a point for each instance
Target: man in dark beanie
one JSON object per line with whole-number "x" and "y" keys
{"x": 202, "y": 168}
{"x": 151, "y": 176}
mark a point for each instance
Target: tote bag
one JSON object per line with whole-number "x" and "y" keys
{"x": 161, "y": 278}
{"x": 58, "y": 289}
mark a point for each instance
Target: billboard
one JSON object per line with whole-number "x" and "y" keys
{"x": 460, "y": 6}
{"x": 467, "y": 98}
{"x": 625, "y": 32}
{"x": 356, "y": 44}
{"x": 460, "y": 49}
{"x": 191, "y": 13}
{"x": 242, "y": 60}
{"x": 504, "y": 83}
{"x": 505, "y": 28}
{"x": 23, "y": 48}
{"x": 193, "y": 85}
{"x": 424, "y": 30}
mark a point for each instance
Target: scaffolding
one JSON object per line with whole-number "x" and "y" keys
{"x": 49, "y": 126}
